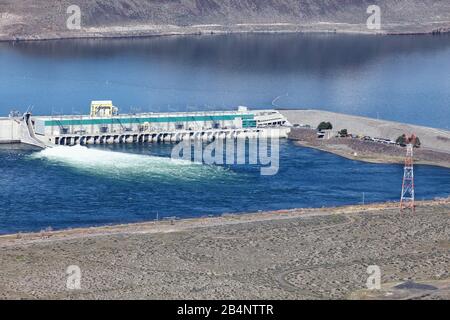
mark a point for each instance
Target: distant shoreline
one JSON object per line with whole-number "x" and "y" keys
{"x": 379, "y": 160}
{"x": 178, "y": 225}
{"x": 168, "y": 31}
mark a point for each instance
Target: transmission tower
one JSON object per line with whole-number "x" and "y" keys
{"x": 407, "y": 198}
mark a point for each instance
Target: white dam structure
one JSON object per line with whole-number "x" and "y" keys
{"x": 104, "y": 125}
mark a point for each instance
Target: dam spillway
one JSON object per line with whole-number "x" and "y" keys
{"x": 104, "y": 125}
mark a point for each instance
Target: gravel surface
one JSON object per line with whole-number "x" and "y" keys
{"x": 294, "y": 254}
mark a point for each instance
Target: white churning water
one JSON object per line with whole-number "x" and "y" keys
{"x": 127, "y": 165}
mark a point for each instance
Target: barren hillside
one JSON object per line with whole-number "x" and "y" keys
{"x": 39, "y": 19}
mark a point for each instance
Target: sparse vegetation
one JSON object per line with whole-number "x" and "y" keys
{"x": 403, "y": 140}
{"x": 343, "y": 133}
{"x": 324, "y": 126}
{"x": 418, "y": 143}
{"x": 423, "y": 241}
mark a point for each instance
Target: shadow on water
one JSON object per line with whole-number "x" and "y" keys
{"x": 251, "y": 53}
{"x": 398, "y": 78}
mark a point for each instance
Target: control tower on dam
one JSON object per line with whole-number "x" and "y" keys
{"x": 105, "y": 125}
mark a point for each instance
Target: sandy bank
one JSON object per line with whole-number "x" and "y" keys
{"x": 168, "y": 226}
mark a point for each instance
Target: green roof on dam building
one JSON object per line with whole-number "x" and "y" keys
{"x": 247, "y": 120}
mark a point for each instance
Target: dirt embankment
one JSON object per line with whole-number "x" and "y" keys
{"x": 30, "y": 19}
{"x": 434, "y": 150}
{"x": 292, "y": 254}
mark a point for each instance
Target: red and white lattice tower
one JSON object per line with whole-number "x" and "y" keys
{"x": 407, "y": 198}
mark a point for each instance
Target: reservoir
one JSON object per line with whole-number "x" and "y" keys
{"x": 400, "y": 78}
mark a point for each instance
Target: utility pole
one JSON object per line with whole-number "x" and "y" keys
{"x": 407, "y": 197}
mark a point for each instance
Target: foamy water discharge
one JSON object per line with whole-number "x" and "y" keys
{"x": 71, "y": 187}
{"x": 127, "y": 165}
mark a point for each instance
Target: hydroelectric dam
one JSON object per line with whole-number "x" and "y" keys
{"x": 105, "y": 125}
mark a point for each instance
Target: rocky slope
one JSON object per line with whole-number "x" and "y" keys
{"x": 44, "y": 19}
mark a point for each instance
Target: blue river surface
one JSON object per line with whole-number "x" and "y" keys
{"x": 71, "y": 187}
{"x": 400, "y": 78}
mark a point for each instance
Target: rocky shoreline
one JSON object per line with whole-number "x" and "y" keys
{"x": 164, "y": 31}
{"x": 126, "y": 18}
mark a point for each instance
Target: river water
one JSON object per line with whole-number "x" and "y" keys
{"x": 404, "y": 78}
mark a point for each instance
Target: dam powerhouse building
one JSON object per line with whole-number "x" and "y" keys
{"x": 105, "y": 125}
